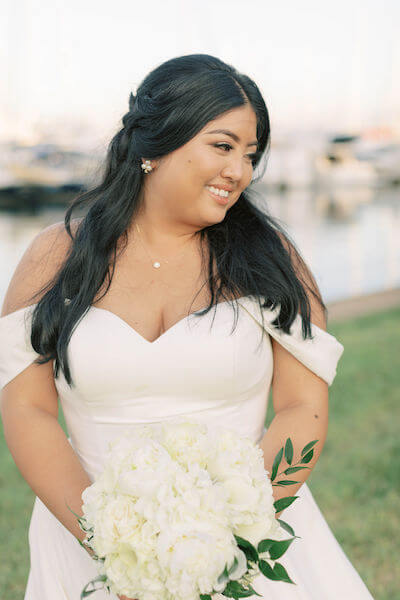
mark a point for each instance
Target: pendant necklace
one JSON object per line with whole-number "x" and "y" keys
{"x": 155, "y": 263}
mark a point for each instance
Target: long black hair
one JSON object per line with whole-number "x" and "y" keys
{"x": 249, "y": 251}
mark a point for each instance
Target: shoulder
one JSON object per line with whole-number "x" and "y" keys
{"x": 38, "y": 265}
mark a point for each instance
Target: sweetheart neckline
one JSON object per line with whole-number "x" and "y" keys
{"x": 164, "y": 333}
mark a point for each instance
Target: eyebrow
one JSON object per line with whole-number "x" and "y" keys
{"x": 232, "y": 135}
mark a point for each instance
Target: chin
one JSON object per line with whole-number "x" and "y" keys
{"x": 216, "y": 216}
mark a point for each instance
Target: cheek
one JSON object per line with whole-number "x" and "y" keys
{"x": 203, "y": 165}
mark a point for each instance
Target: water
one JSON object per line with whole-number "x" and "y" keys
{"x": 349, "y": 239}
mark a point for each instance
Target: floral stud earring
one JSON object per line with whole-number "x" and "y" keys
{"x": 146, "y": 166}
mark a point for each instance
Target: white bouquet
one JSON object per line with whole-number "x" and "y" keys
{"x": 181, "y": 512}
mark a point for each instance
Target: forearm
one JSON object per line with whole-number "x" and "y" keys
{"x": 303, "y": 424}
{"x": 47, "y": 462}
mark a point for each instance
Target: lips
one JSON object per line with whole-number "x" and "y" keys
{"x": 222, "y": 187}
{"x": 219, "y": 199}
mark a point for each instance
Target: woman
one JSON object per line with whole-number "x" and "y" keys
{"x": 105, "y": 312}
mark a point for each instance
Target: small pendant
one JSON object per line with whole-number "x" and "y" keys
{"x": 156, "y": 265}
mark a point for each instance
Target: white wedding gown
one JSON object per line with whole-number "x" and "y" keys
{"x": 196, "y": 370}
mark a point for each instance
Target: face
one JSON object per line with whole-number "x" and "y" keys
{"x": 177, "y": 186}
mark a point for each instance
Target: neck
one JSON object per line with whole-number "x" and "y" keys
{"x": 161, "y": 238}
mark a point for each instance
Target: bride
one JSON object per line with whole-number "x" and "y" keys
{"x": 118, "y": 314}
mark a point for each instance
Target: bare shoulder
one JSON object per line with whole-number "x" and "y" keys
{"x": 38, "y": 266}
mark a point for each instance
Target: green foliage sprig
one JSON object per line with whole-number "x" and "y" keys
{"x": 274, "y": 548}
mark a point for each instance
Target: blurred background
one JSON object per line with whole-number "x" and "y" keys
{"x": 329, "y": 73}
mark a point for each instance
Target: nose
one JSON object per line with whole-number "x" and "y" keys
{"x": 233, "y": 168}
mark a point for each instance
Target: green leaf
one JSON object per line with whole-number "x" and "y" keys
{"x": 234, "y": 589}
{"x": 282, "y": 573}
{"x": 289, "y": 451}
{"x": 283, "y": 503}
{"x": 291, "y": 470}
{"x": 264, "y": 545}
{"x": 251, "y": 589}
{"x": 286, "y": 482}
{"x": 224, "y": 574}
{"x": 276, "y": 464}
{"x": 267, "y": 570}
{"x": 286, "y": 527}
{"x": 81, "y": 543}
{"x": 248, "y": 548}
{"x": 233, "y": 566}
{"x": 279, "y": 548}
{"x": 308, "y": 457}
{"x": 308, "y": 446}
{"x": 205, "y": 597}
{"x": 79, "y": 516}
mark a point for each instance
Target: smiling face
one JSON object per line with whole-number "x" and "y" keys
{"x": 177, "y": 186}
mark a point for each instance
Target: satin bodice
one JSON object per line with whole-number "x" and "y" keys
{"x": 200, "y": 368}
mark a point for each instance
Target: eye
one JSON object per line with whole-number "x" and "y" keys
{"x": 252, "y": 156}
{"x": 223, "y": 146}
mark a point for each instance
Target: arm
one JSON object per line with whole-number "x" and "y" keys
{"x": 29, "y": 402}
{"x": 300, "y": 400}
{"x": 303, "y": 418}
{"x": 40, "y": 448}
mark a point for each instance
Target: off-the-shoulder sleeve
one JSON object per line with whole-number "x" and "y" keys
{"x": 16, "y": 352}
{"x": 321, "y": 354}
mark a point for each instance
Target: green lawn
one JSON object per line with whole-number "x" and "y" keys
{"x": 356, "y": 480}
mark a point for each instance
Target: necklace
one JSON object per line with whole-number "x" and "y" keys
{"x": 156, "y": 263}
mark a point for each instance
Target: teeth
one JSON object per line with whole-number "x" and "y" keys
{"x": 214, "y": 190}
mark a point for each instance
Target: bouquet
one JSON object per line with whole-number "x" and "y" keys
{"x": 181, "y": 511}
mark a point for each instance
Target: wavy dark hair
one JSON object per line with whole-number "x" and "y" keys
{"x": 250, "y": 253}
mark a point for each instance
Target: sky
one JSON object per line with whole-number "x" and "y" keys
{"x": 319, "y": 64}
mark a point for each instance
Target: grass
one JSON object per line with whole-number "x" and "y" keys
{"x": 355, "y": 482}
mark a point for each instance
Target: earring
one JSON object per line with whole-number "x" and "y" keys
{"x": 146, "y": 166}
